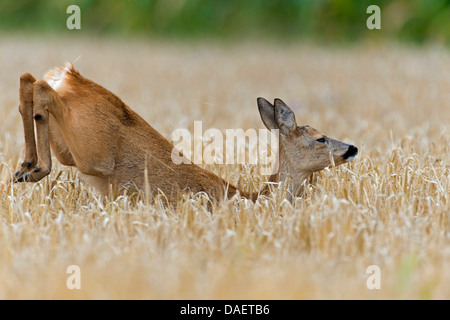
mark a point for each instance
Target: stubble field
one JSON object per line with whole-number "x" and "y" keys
{"x": 390, "y": 207}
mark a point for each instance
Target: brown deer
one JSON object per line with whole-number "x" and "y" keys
{"x": 90, "y": 128}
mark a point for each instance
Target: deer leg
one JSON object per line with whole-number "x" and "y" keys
{"x": 26, "y": 111}
{"x": 44, "y": 97}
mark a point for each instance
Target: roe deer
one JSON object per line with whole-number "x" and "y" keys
{"x": 302, "y": 149}
{"x": 89, "y": 127}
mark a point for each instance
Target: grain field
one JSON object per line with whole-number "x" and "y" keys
{"x": 390, "y": 207}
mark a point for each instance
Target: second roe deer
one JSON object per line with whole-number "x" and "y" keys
{"x": 89, "y": 127}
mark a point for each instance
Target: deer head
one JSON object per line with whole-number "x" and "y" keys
{"x": 302, "y": 149}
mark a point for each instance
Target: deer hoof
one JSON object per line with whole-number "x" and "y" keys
{"x": 20, "y": 176}
{"x": 27, "y": 164}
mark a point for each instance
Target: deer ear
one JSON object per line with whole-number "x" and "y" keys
{"x": 267, "y": 113}
{"x": 284, "y": 117}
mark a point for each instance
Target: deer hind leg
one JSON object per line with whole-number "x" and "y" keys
{"x": 26, "y": 111}
{"x": 58, "y": 144}
{"x": 43, "y": 98}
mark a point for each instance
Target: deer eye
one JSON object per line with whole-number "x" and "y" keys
{"x": 321, "y": 140}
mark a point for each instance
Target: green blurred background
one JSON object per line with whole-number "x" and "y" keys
{"x": 416, "y": 21}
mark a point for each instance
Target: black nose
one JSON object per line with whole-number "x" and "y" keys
{"x": 351, "y": 152}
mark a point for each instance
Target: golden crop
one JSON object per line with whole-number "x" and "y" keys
{"x": 390, "y": 207}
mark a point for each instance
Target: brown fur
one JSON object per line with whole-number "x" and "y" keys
{"x": 300, "y": 152}
{"x": 89, "y": 127}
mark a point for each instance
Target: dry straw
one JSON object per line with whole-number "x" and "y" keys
{"x": 390, "y": 207}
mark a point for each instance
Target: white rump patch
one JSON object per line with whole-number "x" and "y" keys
{"x": 55, "y": 77}
{"x": 67, "y": 67}
{"x": 55, "y": 81}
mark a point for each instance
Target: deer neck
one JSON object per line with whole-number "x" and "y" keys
{"x": 288, "y": 172}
